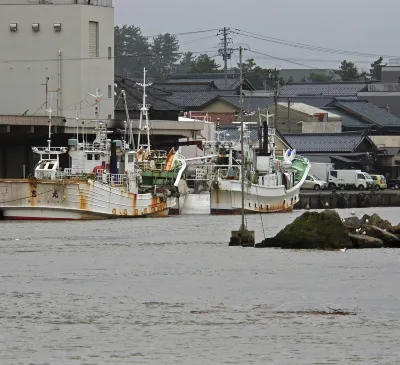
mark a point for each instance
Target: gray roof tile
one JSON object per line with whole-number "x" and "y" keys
{"x": 348, "y": 120}
{"x": 370, "y": 113}
{"x": 326, "y": 143}
{"x": 322, "y": 89}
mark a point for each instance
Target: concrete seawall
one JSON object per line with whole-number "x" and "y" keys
{"x": 348, "y": 199}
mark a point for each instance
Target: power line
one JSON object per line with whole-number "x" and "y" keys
{"x": 185, "y": 33}
{"x": 307, "y": 46}
{"x": 143, "y": 55}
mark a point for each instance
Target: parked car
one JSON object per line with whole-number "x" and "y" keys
{"x": 313, "y": 182}
{"x": 349, "y": 179}
{"x": 393, "y": 183}
{"x": 379, "y": 182}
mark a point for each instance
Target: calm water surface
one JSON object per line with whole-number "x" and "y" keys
{"x": 171, "y": 291}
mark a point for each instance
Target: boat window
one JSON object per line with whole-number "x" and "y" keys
{"x": 360, "y": 177}
{"x": 130, "y": 158}
{"x": 89, "y": 156}
{"x": 51, "y": 165}
{"x": 97, "y": 157}
{"x": 333, "y": 173}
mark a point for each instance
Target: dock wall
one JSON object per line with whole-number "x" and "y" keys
{"x": 344, "y": 200}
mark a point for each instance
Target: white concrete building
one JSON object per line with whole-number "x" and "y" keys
{"x": 68, "y": 44}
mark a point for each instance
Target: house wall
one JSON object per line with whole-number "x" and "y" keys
{"x": 72, "y": 71}
{"x": 321, "y": 127}
{"x": 386, "y": 141}
{"x": 219, "y": 106}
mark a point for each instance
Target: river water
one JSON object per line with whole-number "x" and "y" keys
{"x": 171, "y": 291}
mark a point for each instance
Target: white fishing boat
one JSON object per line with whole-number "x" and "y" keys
{"x": 271, "y": 184}
{"x": 103, "y": 181}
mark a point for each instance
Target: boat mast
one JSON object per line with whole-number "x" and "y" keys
{"x": 144, "y": 112}
{"x": 242, "y": 131}
{"x": 50, "y": 111}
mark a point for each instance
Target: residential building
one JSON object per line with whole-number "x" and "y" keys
{"x": 351, "y": 150}
{"x": 358, "y": 115}
{"x": 303, "y": 118}
{"x": 334, "y": 89}
{"x": 55, "y": 53}
{"x": 385, "y": 94}
{"x": 296, "y": 75}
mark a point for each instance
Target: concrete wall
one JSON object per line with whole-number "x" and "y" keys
{"x": 33, "y": 56}
{"x": 386, "y": 141}
{"x": 390, "y": 74}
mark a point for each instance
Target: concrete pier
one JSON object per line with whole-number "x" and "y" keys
{"x": 348, "y": 199}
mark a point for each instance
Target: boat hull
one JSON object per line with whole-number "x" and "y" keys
{"x": 197, "y": 204}
{"x": 226, "y": 198}
{"x": 27, "y": 199}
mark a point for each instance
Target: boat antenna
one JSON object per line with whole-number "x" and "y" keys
{"x": 50, "y": 112}
{"x": 144, "y": 112}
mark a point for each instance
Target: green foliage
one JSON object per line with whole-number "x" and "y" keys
{"x": 204, "y": 64}
{"x": 375, "y": 71}
{"x": 318, "y": 77}
{"x": 132, "y": 50}
{"x": 165, "y": 52}
{"x": 348, "y": 71}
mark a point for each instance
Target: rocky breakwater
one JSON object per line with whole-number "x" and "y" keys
{"x": 327, "y": 231}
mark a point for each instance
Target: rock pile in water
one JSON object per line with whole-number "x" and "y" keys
{"x": 327, "y": 231}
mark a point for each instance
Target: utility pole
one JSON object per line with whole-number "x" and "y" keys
{"x": 276, "y": 95}
{"x": 241, "y": 131}
{"x": 225, "y": 51}
{"x": 288, "y": 114}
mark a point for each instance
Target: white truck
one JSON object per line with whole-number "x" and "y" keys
{"x": 349, "y": 179}
{"x": 321, "y": 170}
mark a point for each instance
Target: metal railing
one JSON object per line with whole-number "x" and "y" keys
{"x": 386, "y": 87}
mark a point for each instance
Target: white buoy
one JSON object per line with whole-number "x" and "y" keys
{"x": 364, "y": 233}
{"x": 353, "y": 213}
{"x": 343, "y": 249}
{"x": 327, "y": 204}
{"x": 308, "y": 206}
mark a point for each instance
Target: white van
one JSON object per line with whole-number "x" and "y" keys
{"x": 349, "y": 179}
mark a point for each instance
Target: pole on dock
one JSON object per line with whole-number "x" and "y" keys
{"x": 243, "y": 237}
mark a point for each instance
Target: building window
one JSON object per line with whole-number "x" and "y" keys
{"x": 93, "y": 39}
{"x": 109, "y": 92}
{"x": 35, "y": 27}
{"x": 13, "y": 27}
{"x": 109, "y": 53}
{"x": 57, "y": 27}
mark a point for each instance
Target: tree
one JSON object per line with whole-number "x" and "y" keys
{"x": 132, "y": 50}
{"x": 348, "y": 71}
{"x": 376, "y": 69}
{"x": 165, "y": 52}
{"x": 186, "y": 62}
{"x": 204, "y": 64}
{"x": 303, "y": 79}
{"x": 318, "y": 77}
{"x": 290, "y": 79}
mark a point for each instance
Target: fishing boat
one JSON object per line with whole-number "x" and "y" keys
{"x": 271, "y": 183}
{"x": 103, "y": 181}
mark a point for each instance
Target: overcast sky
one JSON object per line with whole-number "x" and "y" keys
{"x": 353, "y": 25}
